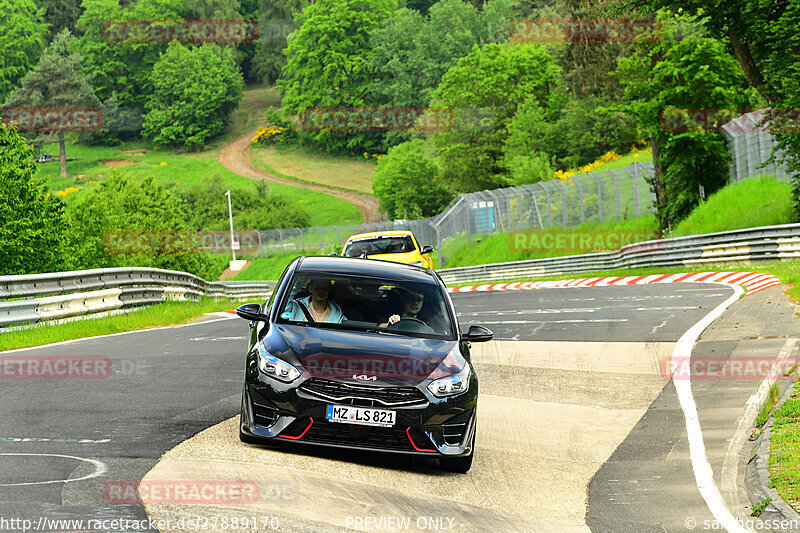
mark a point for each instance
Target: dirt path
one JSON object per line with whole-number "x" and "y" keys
{"x": 234, "y": 157}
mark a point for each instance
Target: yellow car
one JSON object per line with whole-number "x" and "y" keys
{"x": 397, "y": 246}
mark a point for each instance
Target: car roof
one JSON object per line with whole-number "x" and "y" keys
{"x": 391, "y": 233}
{"x": 344, "y": 266}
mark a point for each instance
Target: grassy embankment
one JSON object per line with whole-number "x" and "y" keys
{"x": 187, "y": 170}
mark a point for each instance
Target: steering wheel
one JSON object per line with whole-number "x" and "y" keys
{"x": 414, "y": 324}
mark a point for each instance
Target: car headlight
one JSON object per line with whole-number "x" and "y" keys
{"x": 451, "y": 385}
{"x": 276, "y": 368}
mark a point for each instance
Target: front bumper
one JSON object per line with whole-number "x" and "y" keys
{"x": 442, "y": 427}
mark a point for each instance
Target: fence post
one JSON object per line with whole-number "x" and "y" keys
{"x": 636, "y": 187}
{"x": 616, "y": 193}
{"x": 549, "y": 205}
{"x": 580, "y": 198}
{"x": 302, "y": 244}
{"x": 563, "y": 204}
{"x": 260, "y": 246}
{"x": 321, "y": 240}
{"x": 468, "y": 211}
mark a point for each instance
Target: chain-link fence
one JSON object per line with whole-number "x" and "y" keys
{"x": 752, "y": 146}
{"x": 595, "y": 197}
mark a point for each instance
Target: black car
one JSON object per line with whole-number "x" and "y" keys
{"x": 361, "y": 354}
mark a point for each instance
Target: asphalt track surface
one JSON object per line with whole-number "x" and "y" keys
{"x": 169, "y": 384}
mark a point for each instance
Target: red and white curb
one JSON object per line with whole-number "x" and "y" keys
{"x": 751, "y": 281}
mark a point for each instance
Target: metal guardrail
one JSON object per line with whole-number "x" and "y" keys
{"x": 751, "y": 244}
{"x": 38, "y": 297}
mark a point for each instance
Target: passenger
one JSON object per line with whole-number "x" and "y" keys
{"x": 412, "y": 305}
{"x": 319, "y": 305}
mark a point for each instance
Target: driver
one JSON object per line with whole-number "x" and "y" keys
{"x": 412, "y": 305}
{"x": 319, "y": 305}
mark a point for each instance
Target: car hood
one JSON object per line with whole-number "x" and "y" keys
{"x": 382, "y": 359}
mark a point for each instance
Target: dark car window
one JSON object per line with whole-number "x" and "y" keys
{"x": 380, "y": 245}
{"x": 366, "y": 304}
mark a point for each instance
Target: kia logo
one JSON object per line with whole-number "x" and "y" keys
{"x": 365, "y": 377}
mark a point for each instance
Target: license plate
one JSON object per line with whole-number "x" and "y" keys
{"x": 365, "y": 416}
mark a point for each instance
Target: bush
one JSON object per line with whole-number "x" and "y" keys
{"x": 122, "y": 207}
{"x": 33, "y": 231}
{"x": 254, "y": 209}
{"x": 407, "y": 184}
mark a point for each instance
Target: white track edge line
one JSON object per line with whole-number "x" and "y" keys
{"x": 703, "y": 473}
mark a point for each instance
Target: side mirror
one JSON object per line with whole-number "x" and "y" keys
{"x": 428, "y": 249}
{"x": 477, "y": 334}
{"x": 251, "y": 312}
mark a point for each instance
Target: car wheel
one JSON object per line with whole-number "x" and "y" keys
{"x": 460, "y": 465}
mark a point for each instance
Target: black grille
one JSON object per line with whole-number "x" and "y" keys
{"x": 264, "y": 415}
{"x": 454, "y": 433}
{"x": 366, "y": 395}
{"x": 374, "y": 437}
{"x": 455, "y": 428}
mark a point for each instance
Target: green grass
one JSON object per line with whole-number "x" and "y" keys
{"x": 784, "y": 457}
{"x": 773, "y": 395}
{"x": 749, "y": 203}
{"x": 182, "y": 170}
{"x": 313, "y": 167}
{"x": 504, "y": 247}
{"x": 165, "y": 314}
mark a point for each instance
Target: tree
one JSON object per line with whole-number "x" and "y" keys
{"x": 524, "y": 155}
{"x": 56, "y": 83}
{"x": 688, "y": 70}
{"x": 22, "y": 39}
{"x": 276, "y": 23}
{"x": 764, "y": 38}
{"x": 406, "y": 182}
{"x": 326, "y": 64}
{"x": 194, "y": 92}
{"x": 60, "y": 14}
{"x": 411, "y": 52}
{"x": 484, "y": 92}
{"x": 123, "y": 68}
{"x": 33, "y": 231}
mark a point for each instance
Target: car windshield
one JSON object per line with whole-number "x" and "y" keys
{"x": 367, "y": 304}
{"x": 395, "y": 244}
